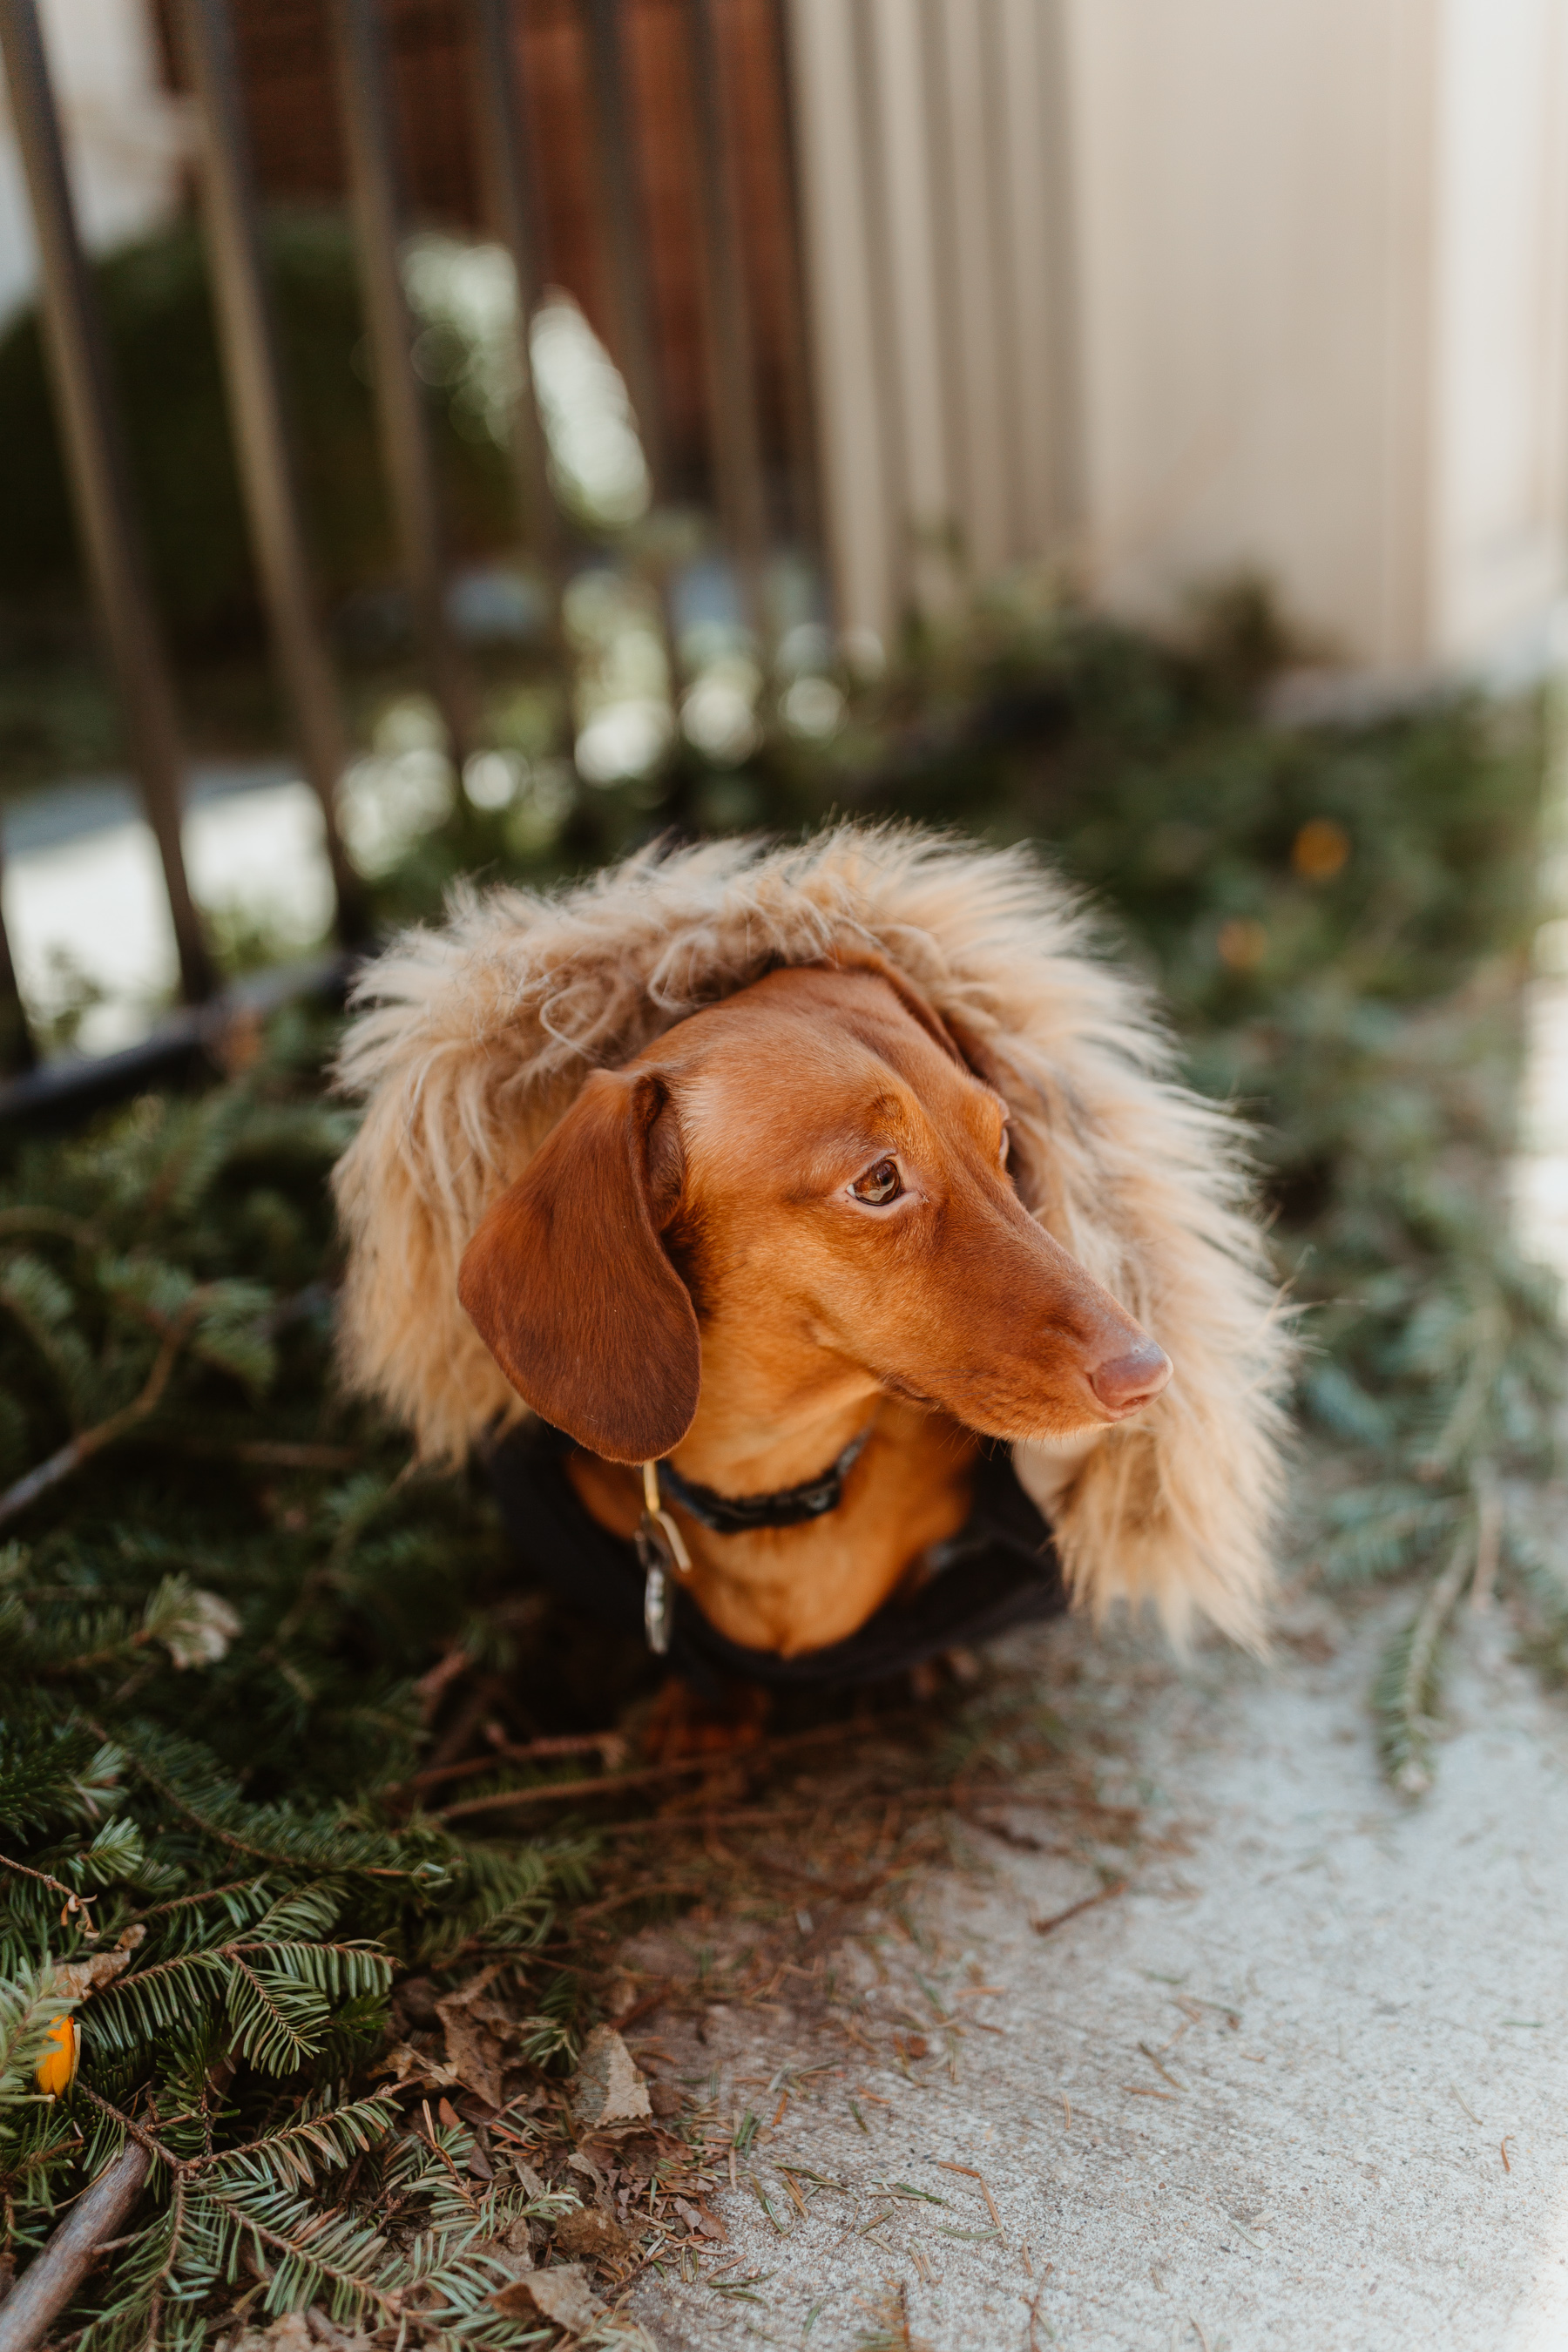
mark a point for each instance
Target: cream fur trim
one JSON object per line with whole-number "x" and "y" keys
{"x": 472, "y": 1040}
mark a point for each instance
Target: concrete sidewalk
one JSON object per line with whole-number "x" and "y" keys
{"x": 1261, "y": 2100}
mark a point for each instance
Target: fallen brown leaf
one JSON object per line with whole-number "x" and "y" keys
{"x": 561, "y": 2295}
{"x": 590, "y": 2236}
{"x": 609, "y": 2088}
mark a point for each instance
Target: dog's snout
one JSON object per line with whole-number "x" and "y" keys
{"x": 1132, "y": 1379}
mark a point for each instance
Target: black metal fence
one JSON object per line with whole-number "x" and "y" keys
{"x": 92, "y": 435}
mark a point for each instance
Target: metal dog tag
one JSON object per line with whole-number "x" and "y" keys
{"x": 660, "y": 1549}
{"x": 656, "y": 1608}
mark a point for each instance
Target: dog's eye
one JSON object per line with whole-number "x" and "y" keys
{"x": 879, "y": 1184}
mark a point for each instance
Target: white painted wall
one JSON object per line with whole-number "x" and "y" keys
{"x": 1502, "y": 292}
{"x": 1165, "y": 288}
{"x": 124, "y": 136}
{"x": 935, "y": 224}
{"x": 1254, "y": 337}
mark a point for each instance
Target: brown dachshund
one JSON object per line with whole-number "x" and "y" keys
{"x": 788, "y": 1221}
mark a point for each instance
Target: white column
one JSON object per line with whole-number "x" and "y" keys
{"x": 1501, "y": 296}
{"x": 860, "y": 527}
{"x": 902, "y": 113}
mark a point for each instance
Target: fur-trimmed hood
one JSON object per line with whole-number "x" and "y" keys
{"x": 472, "y": 1040}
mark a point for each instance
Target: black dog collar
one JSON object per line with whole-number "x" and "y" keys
{"x": 787, "y": 1506}
{"x": 659, "y": 1540}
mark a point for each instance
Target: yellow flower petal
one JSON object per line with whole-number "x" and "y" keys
{"x": 57, "y": 2068}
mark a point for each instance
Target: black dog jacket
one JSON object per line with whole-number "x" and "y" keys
{"x": 1000, "y": 1570}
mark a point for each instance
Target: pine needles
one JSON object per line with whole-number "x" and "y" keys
{"x": 209, "y": 1643}
{"x": 1410, "y": 1682}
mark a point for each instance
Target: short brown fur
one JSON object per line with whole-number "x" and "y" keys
{"x": 815, "y": 1309}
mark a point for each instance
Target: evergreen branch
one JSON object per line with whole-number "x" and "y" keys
{"x": 51, "y": 1221}
{"x": 271, "y": 2033}
{"x": 183, "y": 1964}
{"x": 31, "y": 2005}
{"x": 24, "y": 1870}
{"x": 171, "y": 1796}
{"x": 296, "y": 2250}
{"x": 278, "y": 1858}
{"x": 164, "y": 2276}
{"x": 25, "y": 1491}
{"x": 268, "y": 1453}
{"x": 289, "y": 2006}
{"x": 370, "y": 1499}
{"x": 189, "y": 1901}
{"x": 1408, "y": 1684}
{"x": 444, "y": 2157}
{"x": 106, "y": 1654}
{"x": 39, "y": 1302}
{"x": 144, "y": 2138}
{"x": 38, "y": 2159}
{"x": 356, "y": 2120}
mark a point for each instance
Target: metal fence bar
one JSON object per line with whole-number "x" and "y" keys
{"x": 742, "y": 495}
{"x": 100, "y": 476}
{"x": 508, "y": 176}
{"x": 191, "y": 1040}
{"x": 800, "y": 414}
{"x": 255, "y": 388}
{"x": 631, "y": 286}
{"x": 91, "y": 424}
{"x": 366, "y": 96}
{"x": 18, "y": 1051}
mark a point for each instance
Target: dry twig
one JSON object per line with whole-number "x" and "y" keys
{"x": 1060, "y": 1919}
{"x": 47, "y": 2284}
{"x": 24, "y": 1492}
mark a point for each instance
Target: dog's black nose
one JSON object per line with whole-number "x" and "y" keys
{"x": 1127, "y": 1382}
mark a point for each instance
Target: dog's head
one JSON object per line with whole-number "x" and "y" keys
{"x": 811, "y": 1162}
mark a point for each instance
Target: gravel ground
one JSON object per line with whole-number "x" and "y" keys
{"x": 1300, "y": 2087}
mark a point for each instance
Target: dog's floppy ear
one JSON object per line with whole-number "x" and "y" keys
{"x": 568, "y": 1284}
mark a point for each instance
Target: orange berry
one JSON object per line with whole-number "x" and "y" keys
{"x": 1320, "y": 849}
